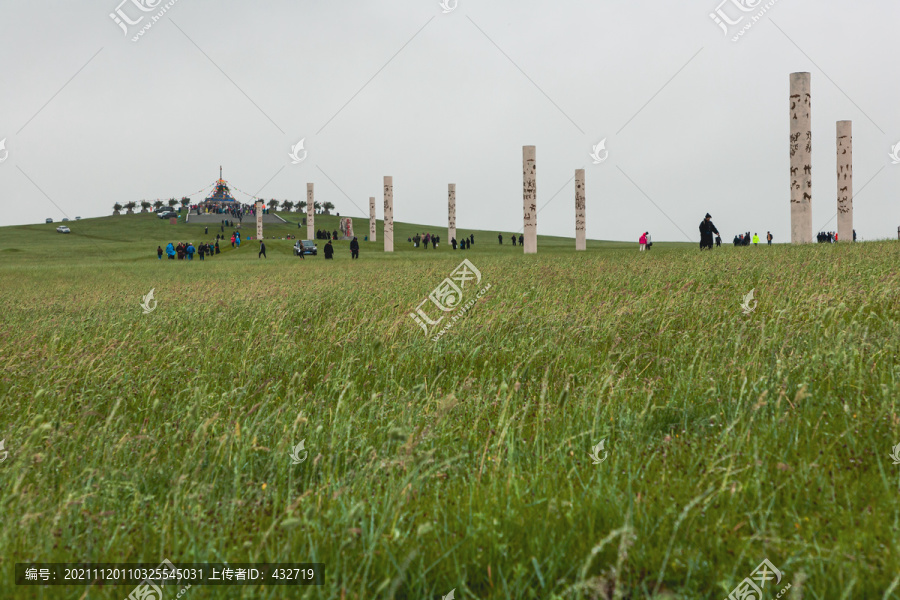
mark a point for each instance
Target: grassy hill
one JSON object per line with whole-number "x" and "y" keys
{"x": 135, "y": 237}
{"x": 729, "y": 436}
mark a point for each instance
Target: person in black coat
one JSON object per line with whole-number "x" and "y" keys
{"x": 521, "y": 240}
{"x": 329, "y": 250}
{"x": 453, "y": 243}
{"x": 500, "y": 238}
{"x": 707, "y": 229}
{"x": 354, "y": 248}
{"x": 262, "y": 250}
{"x": 217, "y": 246}
{"x": 334, "y": 235}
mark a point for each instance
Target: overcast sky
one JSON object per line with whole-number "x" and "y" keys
{"x": 693, "y": 121}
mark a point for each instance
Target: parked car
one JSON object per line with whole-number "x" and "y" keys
{"x": 65, "y": 220}
{"x": 168, "y": 215}
{"x": 48, "y": 221}
{"x": 63, "y": 229}
{"x": 306, "y": 247}
{"x": 77, "y": 218}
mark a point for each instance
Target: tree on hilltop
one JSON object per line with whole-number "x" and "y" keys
{"x": 328, "y": 207}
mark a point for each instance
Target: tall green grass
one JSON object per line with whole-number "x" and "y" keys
{"x": 461, "y": 463}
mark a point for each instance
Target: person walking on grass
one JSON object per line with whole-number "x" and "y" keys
{"x": 354, "y": 248}
{"x": 190, "y": 251}
{"x": 756, "y": 239}
{"x": 521, "y": 240}
{"x": 262, "y": 250}
{"x": 170, "y": 251}
{"x": 453, "y": 243}
{"x": 159, "y": 252}
{"x": 232, "y": 240}
{"x": 769, "y": 237}
{"x": 718, "y": 240}
{"x": 500, "y": 238}
{"x": 513, "y": 239}
{"x": 707, "y": 229}
{"x": 329, "y": 250}
{"x": 642, "y": 241}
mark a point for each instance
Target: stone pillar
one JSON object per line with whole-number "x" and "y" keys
{"x": 259, "y": 220}
{"x": 388, "y": 213}
{"x": 580, "y": 242}
{"x": 529, "y": 198}
{"x": 310, "y": 213}
{"x": 845, "y": 181}
{"x": 451, "y": 212}
{"x": 372, "y": 233}
{"x": 801, "y": 163}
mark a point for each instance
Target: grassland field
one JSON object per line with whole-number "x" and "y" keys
{"x": 459, "y": 464}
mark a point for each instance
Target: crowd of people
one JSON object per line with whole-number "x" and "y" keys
{"x": 425, "y": 238}
{"x": 513, "y": 237}
{"x": 745, "y": 239}
{"x": 233, "y": 209}
{"x": 186, "y": 250}
{"x": 830, "y": 237}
